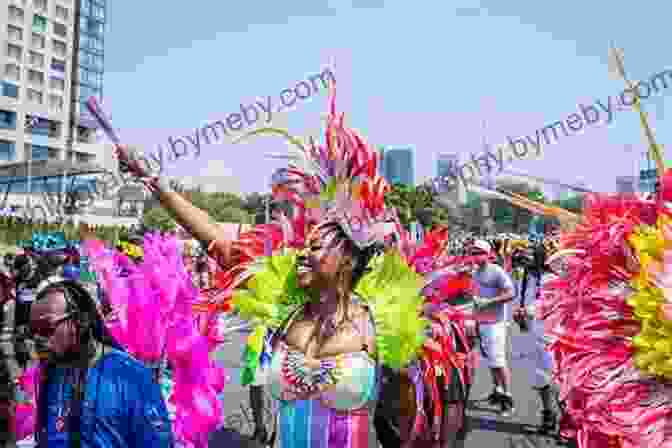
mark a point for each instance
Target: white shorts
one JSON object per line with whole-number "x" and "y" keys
{"x": 494, "y": 343}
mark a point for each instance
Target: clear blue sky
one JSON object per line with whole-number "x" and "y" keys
{"x": 422, "y": 73}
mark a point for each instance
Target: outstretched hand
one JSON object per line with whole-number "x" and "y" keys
{"x": 132, "y": 160}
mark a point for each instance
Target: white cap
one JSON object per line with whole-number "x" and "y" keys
{"x": 482, "y": 245}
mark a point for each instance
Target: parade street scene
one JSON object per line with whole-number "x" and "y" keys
{"x": 335, "y": 224}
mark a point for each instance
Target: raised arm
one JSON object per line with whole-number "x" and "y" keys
{"x": 197, "y": 222}
{"x": 193, "y": 219}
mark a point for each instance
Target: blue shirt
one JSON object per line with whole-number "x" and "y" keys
{"x": 122, "y": 407}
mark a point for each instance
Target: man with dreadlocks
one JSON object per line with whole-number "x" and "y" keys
{"x": 91, "y": 393}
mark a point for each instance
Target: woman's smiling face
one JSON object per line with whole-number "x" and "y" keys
{"x": 320, "y": 263}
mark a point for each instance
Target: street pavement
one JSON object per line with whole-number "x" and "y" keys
{"x": 488, "y": 430}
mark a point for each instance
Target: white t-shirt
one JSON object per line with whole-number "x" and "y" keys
{"x": 492, "y": 279}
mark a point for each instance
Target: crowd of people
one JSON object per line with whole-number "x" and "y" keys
{"x": 349, "y": 319}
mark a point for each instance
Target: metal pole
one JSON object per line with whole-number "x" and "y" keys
{"x": 268, "y": 210}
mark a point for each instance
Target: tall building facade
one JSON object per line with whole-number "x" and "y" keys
{"x": 446, "y": 164}
{"x": 399, "y": 165}
{"x": 51, "y": 62}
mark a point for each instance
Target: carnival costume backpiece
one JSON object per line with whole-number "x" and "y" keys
{"x": 443, "y": 375}
{"x": 334, "y": 185}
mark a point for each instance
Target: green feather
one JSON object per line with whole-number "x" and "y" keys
{"x": 392, "y": 290}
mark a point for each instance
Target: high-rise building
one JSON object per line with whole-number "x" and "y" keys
{"x": 381, "y": 161}
{"x": 399, "y": 165}
{"x": 51, "y": 63}
{"x": 626, "y": 184}
{"x": 446, "y": 164}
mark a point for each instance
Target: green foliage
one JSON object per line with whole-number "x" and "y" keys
{"x": 13, "y": 230}
{"x": 221, "y": 206}
{"x": 416, "y": 204}
{"x": 157, "y": 218}
{"x": 573, "y": 203}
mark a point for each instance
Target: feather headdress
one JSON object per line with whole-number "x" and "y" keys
{"x": 337, "y": 180}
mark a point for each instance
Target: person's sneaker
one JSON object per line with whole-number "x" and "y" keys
{"x": 494, "y": 399}
{"x": 508, "y": 408}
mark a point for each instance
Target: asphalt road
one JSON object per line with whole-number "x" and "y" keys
{"x": 488, "y": 430}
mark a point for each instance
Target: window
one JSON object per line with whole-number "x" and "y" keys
{"x": 40, "y": 152}
{"x": 98, "y": 12}
{"x": 36, "y": 125}
{"x": 90, "y": 78}
{"x": 7, "y": 152}
{"x": 57, "y": 72}
{"x": 62, "y": 13}
{"x": 60, "y": 48}
{"x": 40, "y": 5}
{"x": 7, "y": 119}
{"x": 57, "y": 84}
{"x": 16, "y": 14}
{"x": 37, "y": 41}
{"x": 13, "y": 72}
{"x": 39, "y": 24}
{"x": 10, "y": 90}
{"x": 85, "y": 92}
{"x": 15, "y": 33}
{"x": 55, "y": 102}
{"x": 14, "y": 52}
{"x": 34, "y": 96}
{"x": 58, "y": 65}
{"x": 35, "y": 77}
{"x": 54, "y": 130}
{"x": 60, "y": 29}
{"x": 90, "y": 60}
{"x": 92, "y": 27}
{"x": 36, "y": 59}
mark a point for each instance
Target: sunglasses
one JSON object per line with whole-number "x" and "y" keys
{"x": 45, "y": 328}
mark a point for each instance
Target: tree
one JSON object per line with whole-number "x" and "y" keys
{"x": 222, "y": 207}
{"x": 417, "y": 204}
{"x": 572, "y": 204}
{"x": 157, "y": 218}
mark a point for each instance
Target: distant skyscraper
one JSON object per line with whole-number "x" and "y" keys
{"x": 399, "y": 165}
{"x": 381, "y": 161}
{"x": 626, "y": 184}
{"x": 446, "y": 164}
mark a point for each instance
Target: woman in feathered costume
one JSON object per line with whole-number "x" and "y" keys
{"x": 338, "y": 308}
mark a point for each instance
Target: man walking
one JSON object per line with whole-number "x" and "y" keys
{"x": 495, "y": 292}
